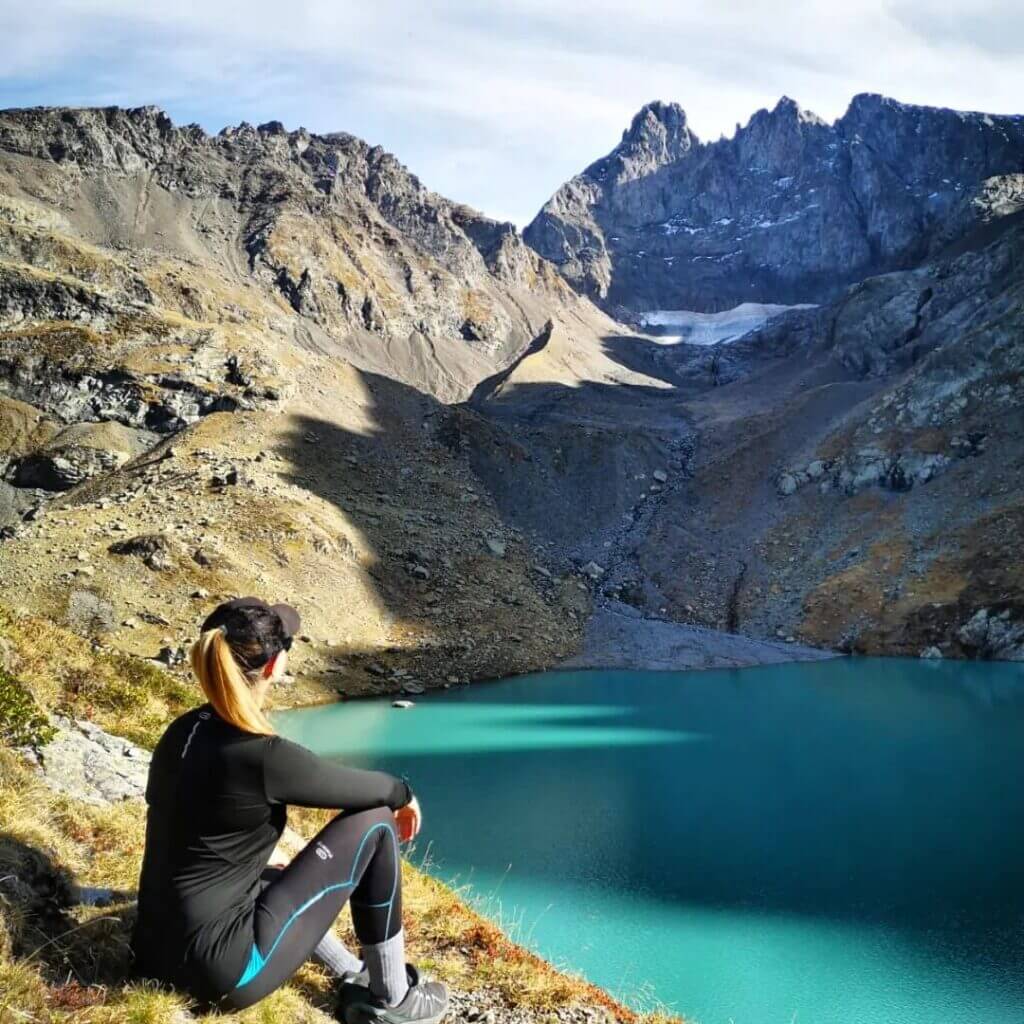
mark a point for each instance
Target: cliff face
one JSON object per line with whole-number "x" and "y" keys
{"x": 789, "y": 210}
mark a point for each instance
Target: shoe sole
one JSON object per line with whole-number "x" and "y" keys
{"x": 363, "y": 1013}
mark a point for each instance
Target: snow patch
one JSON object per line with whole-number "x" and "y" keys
{"x": 712, "y": 328}
{"x": 766, "y": 223}
{"x": 671, "y": 227}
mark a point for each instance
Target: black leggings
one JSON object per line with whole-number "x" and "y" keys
{"x": 356, "y": 856}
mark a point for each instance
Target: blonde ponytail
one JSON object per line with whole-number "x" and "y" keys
{"x": 225, "y": 684}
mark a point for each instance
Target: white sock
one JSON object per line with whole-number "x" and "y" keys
{"x": 333, "y": 954}
{"x": 386, "y": 964}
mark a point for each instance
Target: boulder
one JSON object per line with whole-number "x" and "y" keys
{"x": 90, "y": 765}
{"x": 787, "y": 484}
{"x": 155, "y": 550}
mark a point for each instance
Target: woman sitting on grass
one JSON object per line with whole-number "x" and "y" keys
{"x": 214, "y": 919}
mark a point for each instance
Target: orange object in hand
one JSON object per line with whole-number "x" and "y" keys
{"x": 408, "y": 819}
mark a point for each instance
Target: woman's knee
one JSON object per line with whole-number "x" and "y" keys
{"x": 368, "y": 818}
{"x": 355, "y": 827}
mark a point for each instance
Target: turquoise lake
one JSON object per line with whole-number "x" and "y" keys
{"x": 837, "y": 842}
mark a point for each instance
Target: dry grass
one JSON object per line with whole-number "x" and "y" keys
{"x": 124, "y": 695}
{"x": 476, "y": 306}
{"x": 61, "y": 963}
{"x": 854, "y": 594}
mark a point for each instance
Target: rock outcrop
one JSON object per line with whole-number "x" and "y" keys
{"x": 88, "y": 764}
{"x": 791, "y": 209}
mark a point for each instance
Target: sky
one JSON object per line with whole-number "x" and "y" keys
{"x": 495, "y": 103}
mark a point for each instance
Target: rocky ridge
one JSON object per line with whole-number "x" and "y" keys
{"x": 328, "y": 228}
{"x": 789, "y": 210}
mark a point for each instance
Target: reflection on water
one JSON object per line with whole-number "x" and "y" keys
{"x": 837, "y": 841}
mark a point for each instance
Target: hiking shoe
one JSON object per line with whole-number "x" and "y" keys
{"x": 426, "y": 1002}
{"x": 353, "y": 990}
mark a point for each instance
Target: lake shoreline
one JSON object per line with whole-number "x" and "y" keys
{"x": 618, "y": 636}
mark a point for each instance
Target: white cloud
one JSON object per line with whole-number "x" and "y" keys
{"x": 496, "y": 107}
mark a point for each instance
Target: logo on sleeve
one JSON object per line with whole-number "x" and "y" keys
{"x": 203, "y": 716}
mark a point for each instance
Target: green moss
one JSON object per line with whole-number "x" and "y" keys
{"x": 22, "y": 721}
{"x": 129, "y": 697}
{"x": 147, "y": 679}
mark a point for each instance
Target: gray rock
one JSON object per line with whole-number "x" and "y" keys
{"x": 169, "y": 655}
{"x": 89, "y": 613}
{"x": 204, "y": 557}
{"x": 992, "y": 634}
{"x": 618, "y": 636}
{"x": 91, "y": 765}
{"x": 155, "y": 550}
{"x": 787, "y": 484}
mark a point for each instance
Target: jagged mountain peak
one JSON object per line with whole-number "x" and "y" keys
{"x": 790, "y": 209}
{"x": 659, "y": 134}
{"x": 786, "y": 120}
{"x": 789, "y": 109}
{"x": 656, "y": 117}
{"x": 102, "y": 140}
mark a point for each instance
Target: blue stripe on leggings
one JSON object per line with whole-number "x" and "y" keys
{"x": 256, "y": 959}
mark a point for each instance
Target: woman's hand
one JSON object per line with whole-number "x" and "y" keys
{"x": 280, "y": 858}
{"x": 408, "y": 819}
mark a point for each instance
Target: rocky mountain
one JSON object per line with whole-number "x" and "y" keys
{"x": 791, "y": 209}
{"x": 271, "y": 361}
{"x": 326, "y": 227}
{"x": 851, "y": 475}
{"x": 222, "y": 368}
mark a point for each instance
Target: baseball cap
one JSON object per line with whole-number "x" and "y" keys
{"x": 222, "y": 614}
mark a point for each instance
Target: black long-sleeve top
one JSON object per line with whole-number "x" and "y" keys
{"x": 217, "y": 807}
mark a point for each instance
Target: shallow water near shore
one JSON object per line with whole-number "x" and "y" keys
{"x": 834, "y": 842}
